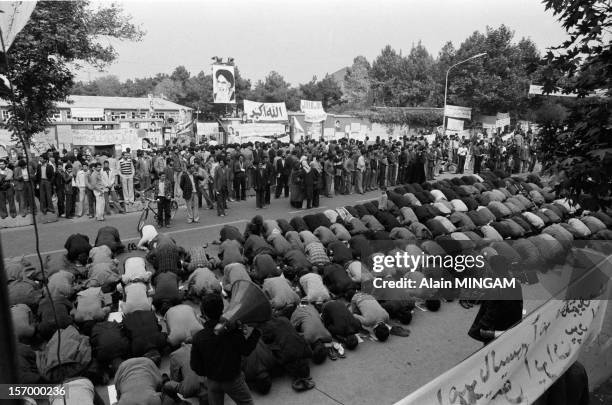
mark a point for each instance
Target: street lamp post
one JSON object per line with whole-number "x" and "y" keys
{"x": 446, "y": 86}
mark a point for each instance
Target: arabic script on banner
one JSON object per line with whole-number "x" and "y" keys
{"x": 256, "y": 111}
{"x": 521, "y": 364}
{"x": 310, "y": 105}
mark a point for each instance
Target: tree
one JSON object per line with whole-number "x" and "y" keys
{"x": 108, "y": 86}
{"x": 326, "y": 90}
{"x": 275, "y": 89}
{"x": 385, "y": 76}
{"x": 579, "y": 149}
{"x": 59, "y": 35}
{"x": 416, "y": 84}
{"x": 357, "y": 84}
{"x": 497, "y": 82}
{"x": 171, "y": 90}
{"x": 180, "y": 75}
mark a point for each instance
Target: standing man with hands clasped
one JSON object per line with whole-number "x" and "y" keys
{"x": 218, "y": 357}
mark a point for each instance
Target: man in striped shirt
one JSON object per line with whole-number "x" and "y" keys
{"x": 126, "y": 172}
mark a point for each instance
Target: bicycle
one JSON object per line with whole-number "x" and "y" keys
{"x": 150, "y": 207}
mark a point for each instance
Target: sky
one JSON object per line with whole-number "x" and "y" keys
{"x": 300, "y": 39}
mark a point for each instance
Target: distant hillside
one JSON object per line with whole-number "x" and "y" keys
{"x": 339, "y": 77}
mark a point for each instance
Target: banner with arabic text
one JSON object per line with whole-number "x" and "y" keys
{"x": 310, "y": 105}
{"x": 257, "y": 111}
{"x": 522, "y": 363}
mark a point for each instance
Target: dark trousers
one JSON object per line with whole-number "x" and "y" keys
{"x": 70, "y": 202}
{"x": 8, "y": 196}
{"x": 91, "y": 200}
{"x": 461, "y": 164}
{"x": 61, "y": 199}
{"x": 477, "y": 163}
{"x": 240, "y": 185}
{"x": 267, "y": 195}
{"x": 221, "y": 202}
{"x": 46, "y": 194}
{"x": 260, "y": 197}
{"x": 237, "y": 389}
{"x": 163, "y": 211}
{"x": 315, "y": 197}
{"x": 282, "y": 183}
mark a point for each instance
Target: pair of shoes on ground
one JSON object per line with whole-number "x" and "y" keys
{"x": 303, "y": 384}
{"x": 335, "y": 351}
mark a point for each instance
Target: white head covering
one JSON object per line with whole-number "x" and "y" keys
{"x": 148, "y": 233}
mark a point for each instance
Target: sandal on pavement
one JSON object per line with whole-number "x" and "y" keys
{"x": 399, "y": 331}
{"x": 331, "y": 353}
{"x": 300, "y": 385}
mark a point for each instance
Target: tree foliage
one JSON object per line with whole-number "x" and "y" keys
{"x": 497, "y": 82}
{"x": 579, "y": 149}
{"x": 358, "y": 85}
{"x": 59, "y": 36}
{"x": 325, "y": 90}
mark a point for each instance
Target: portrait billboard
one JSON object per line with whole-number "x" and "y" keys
{"x": 224, "y": 84}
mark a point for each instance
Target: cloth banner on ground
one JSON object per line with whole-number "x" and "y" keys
{"x": 456, "y": 111}
{"x": 520, "y": 365}
{"x": 14, "y": 15}
{"x": 257, "y": 111}
{"x": 454, "y": 125}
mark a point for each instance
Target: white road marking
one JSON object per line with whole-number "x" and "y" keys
{"x": 310, "y": 209}
{"x": 50, "y": 252}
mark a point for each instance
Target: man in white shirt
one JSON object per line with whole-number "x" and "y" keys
{"x": 461, "y": 153}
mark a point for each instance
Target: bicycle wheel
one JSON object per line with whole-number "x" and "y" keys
{"x": 143, "y": 219}
{"x": 173, "y": 209}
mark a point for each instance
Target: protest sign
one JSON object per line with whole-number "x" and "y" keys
{"x": 310, "y": 105}
{"x": 257, "y": 111}
{"x": 456, "y": 111}
{"x": 454, "y": 125}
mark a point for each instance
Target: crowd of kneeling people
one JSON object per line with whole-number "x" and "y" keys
{"x": 102, "y": 305}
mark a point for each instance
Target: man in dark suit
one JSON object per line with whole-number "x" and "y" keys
{"x": 44, "y": 177}
{"x": 239, "y": 169}
{"x": 220, "y": 183}
{"x": 262, "y": 183}
{"x": 188, "y": 183}
{"x": 282, "y": 175}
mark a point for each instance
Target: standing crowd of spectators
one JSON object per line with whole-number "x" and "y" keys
{"x": 77, "y": 183}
